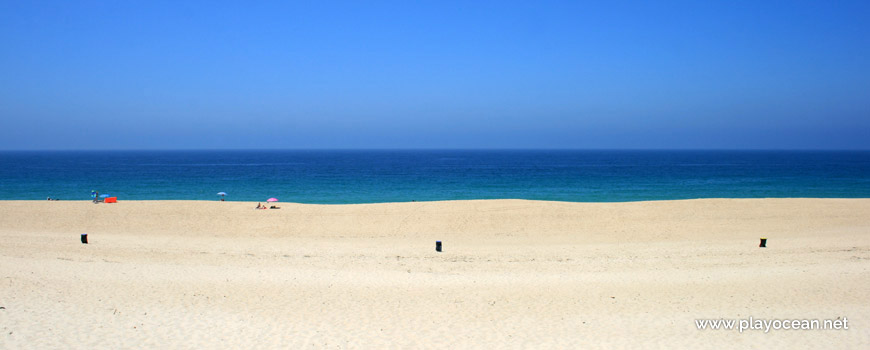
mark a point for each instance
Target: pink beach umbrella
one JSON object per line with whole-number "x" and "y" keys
{"x": 272, "y": 200}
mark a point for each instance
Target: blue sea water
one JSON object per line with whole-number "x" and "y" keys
{"x": 369, "y": 176}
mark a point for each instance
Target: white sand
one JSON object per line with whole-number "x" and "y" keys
{"x": 513, "y": 274}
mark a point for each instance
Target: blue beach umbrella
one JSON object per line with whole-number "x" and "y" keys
{"x": 222, "y": 194}
{"x": 105, "y": 195}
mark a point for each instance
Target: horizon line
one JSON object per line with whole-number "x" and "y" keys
{"x": 423, "y": 149}
{"x": 438, "y": 149}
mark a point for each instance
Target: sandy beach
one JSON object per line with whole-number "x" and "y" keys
{"x": 513, "y": 274}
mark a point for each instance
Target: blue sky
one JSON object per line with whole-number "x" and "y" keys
{"x": 407, "y": 74}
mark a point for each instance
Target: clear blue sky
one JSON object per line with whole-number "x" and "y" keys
{"x": 409, "y": 74}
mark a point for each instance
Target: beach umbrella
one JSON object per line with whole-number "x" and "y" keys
{"x": 222, "y": 194}
{"x": 105, "y": 196}
{"x": 272, "y": 200}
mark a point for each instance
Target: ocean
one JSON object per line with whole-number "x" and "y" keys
{"x": 373, "y": 176}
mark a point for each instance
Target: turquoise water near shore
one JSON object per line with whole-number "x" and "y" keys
{"x": 372, "y": 176}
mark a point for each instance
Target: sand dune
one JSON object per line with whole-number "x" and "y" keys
{"x": 513, "y": 274}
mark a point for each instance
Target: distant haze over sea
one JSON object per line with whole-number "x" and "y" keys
{"x": 371, "y": 176}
